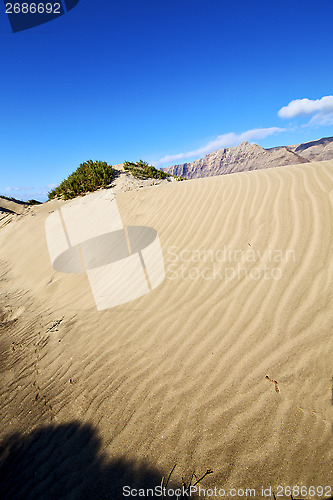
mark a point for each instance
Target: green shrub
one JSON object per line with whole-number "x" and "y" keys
{"x": 142, "y": 170}
{"x": 33, "y": 202}
{"x": 88, "y": 177}
{"x": 29, "y": 202}
{"x": 10, "y": 198}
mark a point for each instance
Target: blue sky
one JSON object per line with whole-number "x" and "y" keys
{"x": 166, "y": 81}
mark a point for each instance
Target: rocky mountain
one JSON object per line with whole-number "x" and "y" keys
{"x": 247, "y": 156}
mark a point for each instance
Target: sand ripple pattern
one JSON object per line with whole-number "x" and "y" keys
{"x": 184, "y": 374}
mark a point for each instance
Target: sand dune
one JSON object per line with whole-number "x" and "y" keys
{"x": 9, "y": 208}
{"x": 11, "y": 205}
{"x": 227, "y": 365}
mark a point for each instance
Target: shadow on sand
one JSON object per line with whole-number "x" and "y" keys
{"x": 65, "y": 462}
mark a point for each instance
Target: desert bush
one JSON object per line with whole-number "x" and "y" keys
{"x": 33, "y": 202}
{"x": 15, "y": 200}
{"x": 142, "y": 170}
{"x": 88, "y": 177}
{"x": 10, "y": 198}
{"x": 185, "y": 490}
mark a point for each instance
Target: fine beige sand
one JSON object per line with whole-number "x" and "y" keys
{"x": 227, "y": 365}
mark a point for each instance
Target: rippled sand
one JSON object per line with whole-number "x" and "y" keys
{"x": 227, "y": 365}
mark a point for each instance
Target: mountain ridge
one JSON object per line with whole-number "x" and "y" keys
{"x": 246, "y": 156}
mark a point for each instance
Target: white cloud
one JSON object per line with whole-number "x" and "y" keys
{"x": 32, "y": 189}
{"x": 27, "y": 192}
{"x": 223, "y": 141}
{"x": 322, "y": 109}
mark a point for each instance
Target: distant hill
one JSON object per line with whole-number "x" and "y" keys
{"x": 247, "y": 156}
{"x": 11, "y": 205}
{"x": 14, "y": 206}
